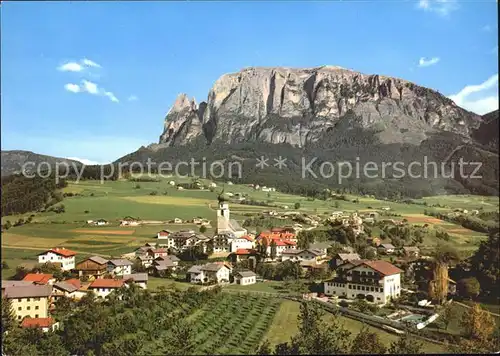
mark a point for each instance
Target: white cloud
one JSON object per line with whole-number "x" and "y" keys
{"x": 441, "y": 7}
{"x": 428, "y": 62}
{"x": 86, "y": 162}
{"x": 90, "y": 87}
{"x": 70, "y": 67}
{"x": 90, "y": 63}
{"x": 73, "y": 88}
{"x": 132, "y": 98}
{"x": 111, "y": 96}
{"x": 483, "y": 104}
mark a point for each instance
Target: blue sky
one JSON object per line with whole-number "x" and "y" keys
{"x": 129, "y": 60}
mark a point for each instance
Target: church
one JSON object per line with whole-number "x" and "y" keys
{"x": 229, "y": 235}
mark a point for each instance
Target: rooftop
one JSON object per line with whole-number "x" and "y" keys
{"x": 136, "y": 277}
{"x": 121, "y": 262}
{"x": 106, "y": 283}
{"x": 246, "y": 274}
{"x": 31, "y": 291}
{"x": 39, "y": 278}
{"x": 37, "y": 322}
{"x": 60, "y": 251}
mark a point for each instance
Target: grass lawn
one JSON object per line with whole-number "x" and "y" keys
{"x": 155, "y": 282}
{"x": 285, "y": 325}
{"x": 267, "y": 287}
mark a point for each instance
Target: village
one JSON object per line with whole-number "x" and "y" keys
{"x": 346, "y": 277}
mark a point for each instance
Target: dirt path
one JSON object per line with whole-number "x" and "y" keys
{"x": 42, "y": 249}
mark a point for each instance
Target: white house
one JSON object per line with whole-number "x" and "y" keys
{"x": 245, "y": 277}
{"x": 119, "y": 267}
{"x": 141, "y": 279}
{"x": 181, "y": 240}
{"x": 171, "y": 182}
{"x": 45, "y": 324}
{"x": 163, "y": 234}
{"x": 61, "y": 256}
{"x": 129, "y": 221}
{"x": 102, "y": 287}
{"x": 68, "y": 290}
{"x": 217, "y": 272}
{"x": 244, "y": 242}
{"x": 377, "y": 281}
{"x": 177, "y": 221}
{"x": 100, "y": 222}
{"x": 212, "y": 185}
{"x": 281, "y": 246}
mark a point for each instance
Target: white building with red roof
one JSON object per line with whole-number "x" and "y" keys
{"x": 102, "y": 287}
{"x": 377, "y": 281}
{"x": 45, "y": 324}
{"x": 59, "y": 255}
{"x": 243, "y": 242}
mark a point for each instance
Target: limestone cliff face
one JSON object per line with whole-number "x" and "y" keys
{"x": 299, "y": 106}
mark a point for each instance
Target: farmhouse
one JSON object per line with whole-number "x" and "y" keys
{"x": 386, "y": 248}
{"x": 321, "y": 246}
{"x": 32, "y": 301}
{"x": 341, "y": 258}
{"x": 302, "y": 255}
{"x": 102, "y": 287}
{"x": 45, "y": 324}
{"x": 226, "y": 225}
{"x": 98, "y": 222}
{"x": 377, "y": 281}
{"x": 60, "y": 256}
{"x": 146, "y": 260}
{"x": 245, "y": 277}
{"x": 177, "y": 221}
{"x": 158, "y": 252}
{"x": 163, "y": 264}
{"x": 141, "y": 279}
{"x": 39, "y": 278}
{"x": 68, "y": 290}
{"x": 210, "y": 272}
{"x": 129, "y": 221}
{"x": 119, "y": 267}
{"x": 94, "y": 266}
{"x": 411, "y": 251}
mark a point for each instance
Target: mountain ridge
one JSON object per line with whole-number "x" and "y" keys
{"x": 295, "y": 106}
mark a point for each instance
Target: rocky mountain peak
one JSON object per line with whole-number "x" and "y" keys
{"x": 300, "y": 105}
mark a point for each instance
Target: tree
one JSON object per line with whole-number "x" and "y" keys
{"x": 336, "y": 205}
{"x": 272, "y": 253}
{"x": 264, "y": 348}
{"x": 296, "y": 206}
{"x": 7, "y": 225}
{"x": 367, "y": 342}
{"x": 8, "y": 316}
{"x": 447, "y": 314}
{"x": 477, "y": 323}
{"x": 405, "y": 345}
{"x": 485, "y": 264}
{"x": 203, "y": 229}
{"x": 468, "y": 287}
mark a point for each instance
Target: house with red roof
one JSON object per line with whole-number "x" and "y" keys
{"x": 61, "y": 256}
{"x": 281, "y": 245}
{"x": 242, "y": 242}
{"x": 376, "y": 281}
{"x": 102, "y": 287}
{"x": 39, "y": 278}
{"x": 46, "y": 324}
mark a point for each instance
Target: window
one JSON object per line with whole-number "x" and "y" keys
{"x": 28, "y": 300}
{"x": 36, "y": 307}
{"x": 19, "y": 300}
{"x": 36, "y": 315}
{"x": 36, "y": 299}
{"x": 28, "y": 308}
{"x": 19, "y": 317}
{"x": 19, "y": 308}
{"x": 378, "y": 298}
